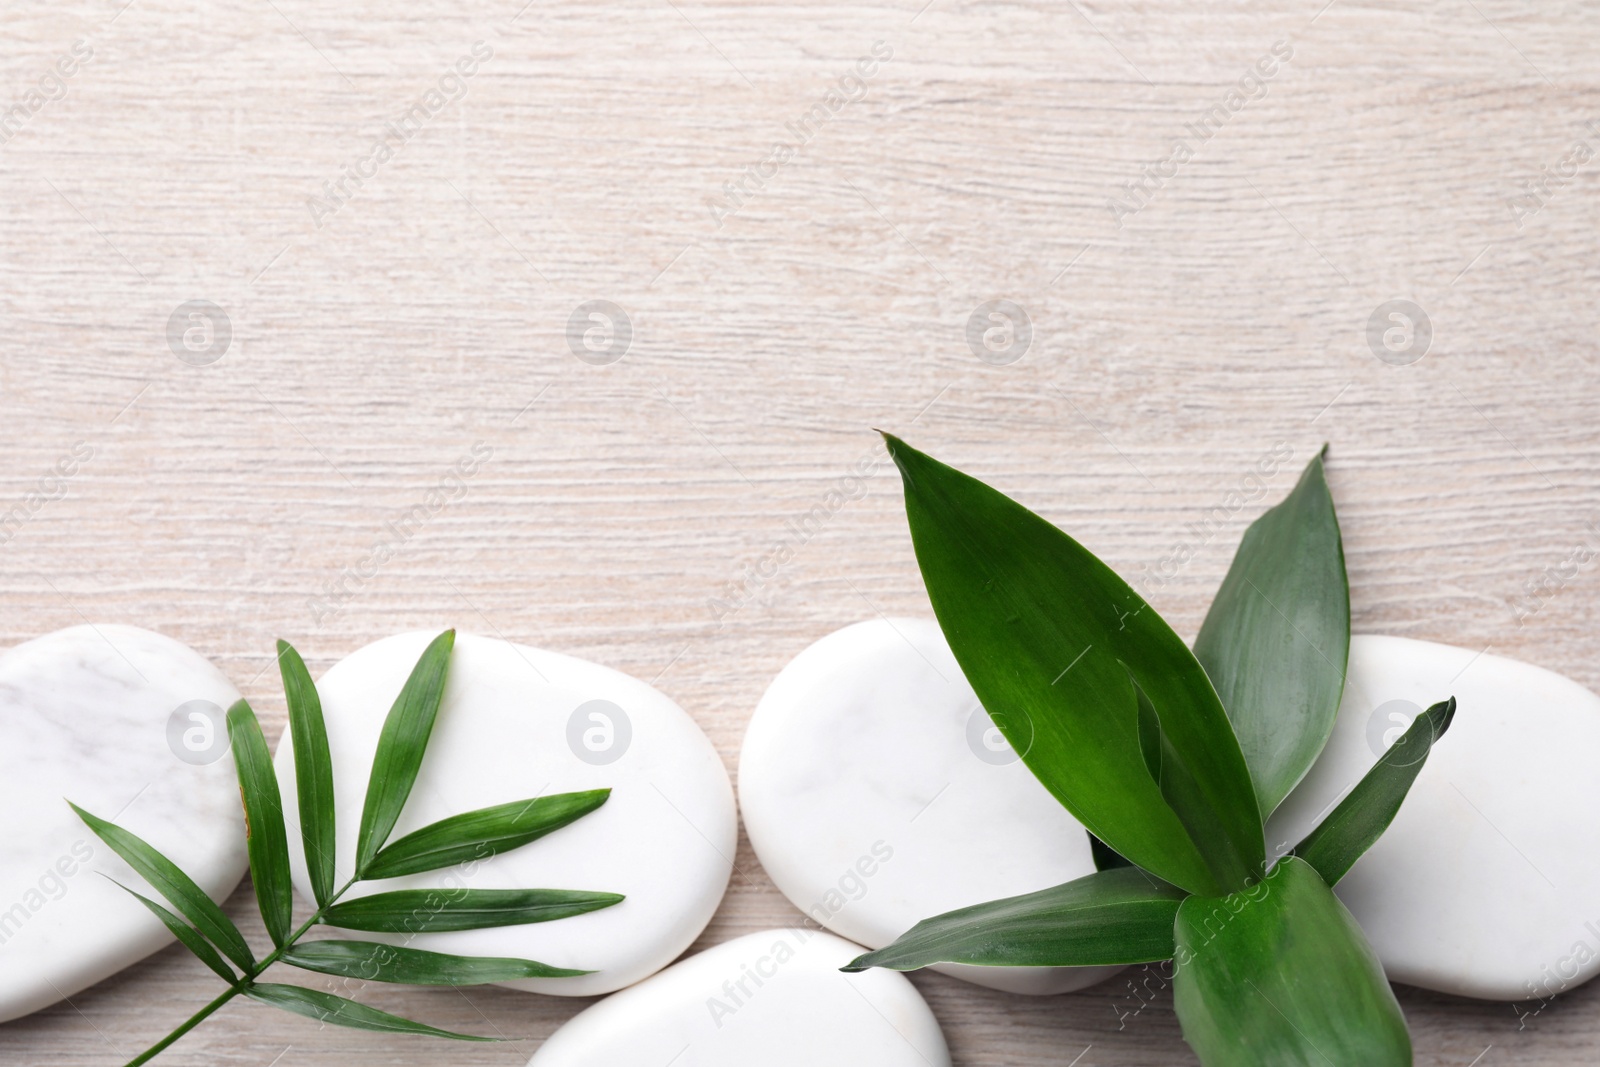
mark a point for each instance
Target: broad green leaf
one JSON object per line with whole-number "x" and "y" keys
{"x": 313, "y": 770}
{"x": 1113, "y": 917}
{"x": 482, "y": 833}
{"x": 415, "y": 911}
{"x": 1280, "y": 975}
{"x": 265, "y": 835}
{"x": 1177, "y": 784}
{"x": 328, "y": 1008}
{"x": 185, "y": 933}
{"x": 1043, "y": 630}
{"x": 400, "y": 747}
{"x": 1277, "y": 637}
{"x": 179, "y": 889}
{"x": 371, "y": 961}
{"x": 1362, "y": 817}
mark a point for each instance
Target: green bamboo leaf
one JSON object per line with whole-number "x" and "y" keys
{"x": 1280, "y": 975}
{"x": 482, "y": 833}
{"x": 1178, "y": 785}
{"x": 179, "y": 889}
{"x": 400, "y": 748}
{"x": 265, "y": 835}
{"x": 1362, "y": 817}
{"x": 1113, "y": 917}
{"x": 371, "y": 961}
{"x": 415, "y": 911}
{"x": 313, "y": 770}
{"x": 1042, "y": 630}
{"x": 185, "y": 933}
{"x": 328, "y": 1008}
{"x": 1276, "y": 640}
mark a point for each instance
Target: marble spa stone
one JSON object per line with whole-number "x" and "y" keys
{"x": 519, "y": 722}
{"x": 877, "y": 792}
{"x": 129, "y": 725}
{"x": 1487, "y": 884}
{"x": 775, "y": 998}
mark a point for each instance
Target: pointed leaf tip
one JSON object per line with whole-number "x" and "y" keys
{"x": 1110, "y": 918}
{"x": 1276, "y": 640}
{"x": 1021, "y": 604}
{"x": 477, "y": 835}
{"x": 265, "y": 837}
{"x": 313, "y": 771}
{"x": 172, "y": 883}
{"x": 401, "y": 745}
{"x": 1366, "y": 812}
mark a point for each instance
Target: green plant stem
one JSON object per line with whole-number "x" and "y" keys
{"x": 194, "y": 1020}
{"x": 243, "y": 982}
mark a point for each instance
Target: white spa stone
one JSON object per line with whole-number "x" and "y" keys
{"x": 519, "y": 722}
{"x": 773, "y": 999}
{"x": 877, "y": 792}
{"x": 129, "y": 725}
{"x": 1487, "y": 884}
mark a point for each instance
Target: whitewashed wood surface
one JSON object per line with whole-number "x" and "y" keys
{"x": 633, "y": 512}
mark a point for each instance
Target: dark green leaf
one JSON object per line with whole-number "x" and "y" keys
{"x": 1042, "y": 630}
{"x": 1113, "y": 917}
{"x": 265, "y": 835}
{"x": 482, "y": 833}
{"x": 1106, "y": 858}
{"x": 185, "y": 933}
{"x": 371, "y": 961}
{"x": 400, "y": 747}
{"x": 313, "y": 770}
{"x": 414, "y": 911}
{"x": 179, "y": 889}
{"x": 1280, "y": 975}
{"x": 1277, "y": 637}
{"x": 328, "y": 1008}
{"x": 1362, "y": 817}
{"x": 1178, "y": 786}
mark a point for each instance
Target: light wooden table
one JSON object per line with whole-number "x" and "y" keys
{"x": 376, "y": 338}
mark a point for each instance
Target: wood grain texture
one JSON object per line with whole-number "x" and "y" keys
{"x": 626, "y": 507}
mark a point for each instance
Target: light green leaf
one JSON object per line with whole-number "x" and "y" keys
{"x": 371, "y": 961}
{"x": 413, "y": 911}
{"x": 328, "y": 1008}
{"x": 265, "y": 836}
{"x": 179, "y": 889}
{"x": 400, "y": 748}
{"x": 1113, "y": 917}
{"x": 1042, "y": 630}
{"x": 185, "y": 933}
{"x": 313, "y": 770}
{"x": 1280, "y": 975}
{"x": 1362, "y": 817}
{"x": 1276, "y": 640}
{"x": 482, "y": 833}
